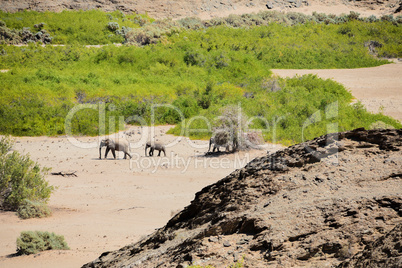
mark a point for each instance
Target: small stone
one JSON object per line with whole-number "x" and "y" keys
{"x": 226, "y": 244}
{"x": 213, "y": 239}
{"x": 235, "y": 257}
{"x": 242, "y": 241}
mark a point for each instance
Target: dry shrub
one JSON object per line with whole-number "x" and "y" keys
{"x": 33, "y": 242}
{"x": 31, "y": 209}
{"x": 253, "y": 139}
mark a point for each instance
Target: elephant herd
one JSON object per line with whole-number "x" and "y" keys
{"x": 123, "y": 146}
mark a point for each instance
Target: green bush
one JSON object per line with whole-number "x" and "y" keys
{"x": 31, "y": 242}
{"x": 33, "y": 209}
{"x": 20, "y": 178}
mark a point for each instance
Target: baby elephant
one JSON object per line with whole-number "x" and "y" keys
{"x": 121, "y": 145}
{"x": 154, "y": 146}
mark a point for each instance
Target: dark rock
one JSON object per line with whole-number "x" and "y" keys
{"x": 269, "y": 5}
{"x": 328, "y": 209}
{"x": 385, "y": 252}
{"x": 226, "y": 244}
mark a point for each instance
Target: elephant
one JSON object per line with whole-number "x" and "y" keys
{"x": 154, "y": 146}
{"x": 212, "y": 141}
{"x": 222, "y": 139}
{"x": 110, "y": 144}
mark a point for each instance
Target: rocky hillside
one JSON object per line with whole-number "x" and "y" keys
{"x": 188, "y": 8}
{"x": 330, "y": 201}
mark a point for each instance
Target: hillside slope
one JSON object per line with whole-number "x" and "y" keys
{"x": 206, "y": 8}
{"x": 315, "y": 203}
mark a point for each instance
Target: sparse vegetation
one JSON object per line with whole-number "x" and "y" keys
{"x": 33, "y": 209}
{"x": 31, "y": 242}
{"x": 21, "y": 178}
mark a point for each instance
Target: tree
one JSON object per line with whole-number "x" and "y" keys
{"x": 230, "y": 126}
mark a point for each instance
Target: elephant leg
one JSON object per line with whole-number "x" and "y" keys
{"x": 107, "y": 151}
{"x": 125, "y": 155}
{"x": 151, "y": 151}
{"x": 164, "y": 153}
{"x": 114, "y": 153}
{"x": 159, "y": 153}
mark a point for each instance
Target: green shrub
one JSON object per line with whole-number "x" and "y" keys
{"x": 31, "y": 242}
{"x": 191, "y": 23}
{"x": 380, "y": 125}
{"x": 113, "y": 26}
{"x": 33, "y": 209}
{"x": 20, "y": 178}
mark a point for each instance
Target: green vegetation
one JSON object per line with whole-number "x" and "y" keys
{"x": 33, "y": 209}
{"x": 33, "y": 242}
{"x": 199, "y": 72}
{"x": 159, "y": 30}
{"x": 302, "y": 101}
{"x": 92, "y": 27}
{"x": 21, "y": 179}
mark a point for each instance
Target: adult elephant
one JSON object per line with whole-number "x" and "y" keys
{"x": 222, "y": 139}
{"x": 111, "y": 145}
{"x": 155, "y": 146}
{"x": 217, "y": 144}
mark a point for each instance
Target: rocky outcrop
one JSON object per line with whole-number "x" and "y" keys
{"x": 317, "y": 203}
{"x": 385, "y": 252}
